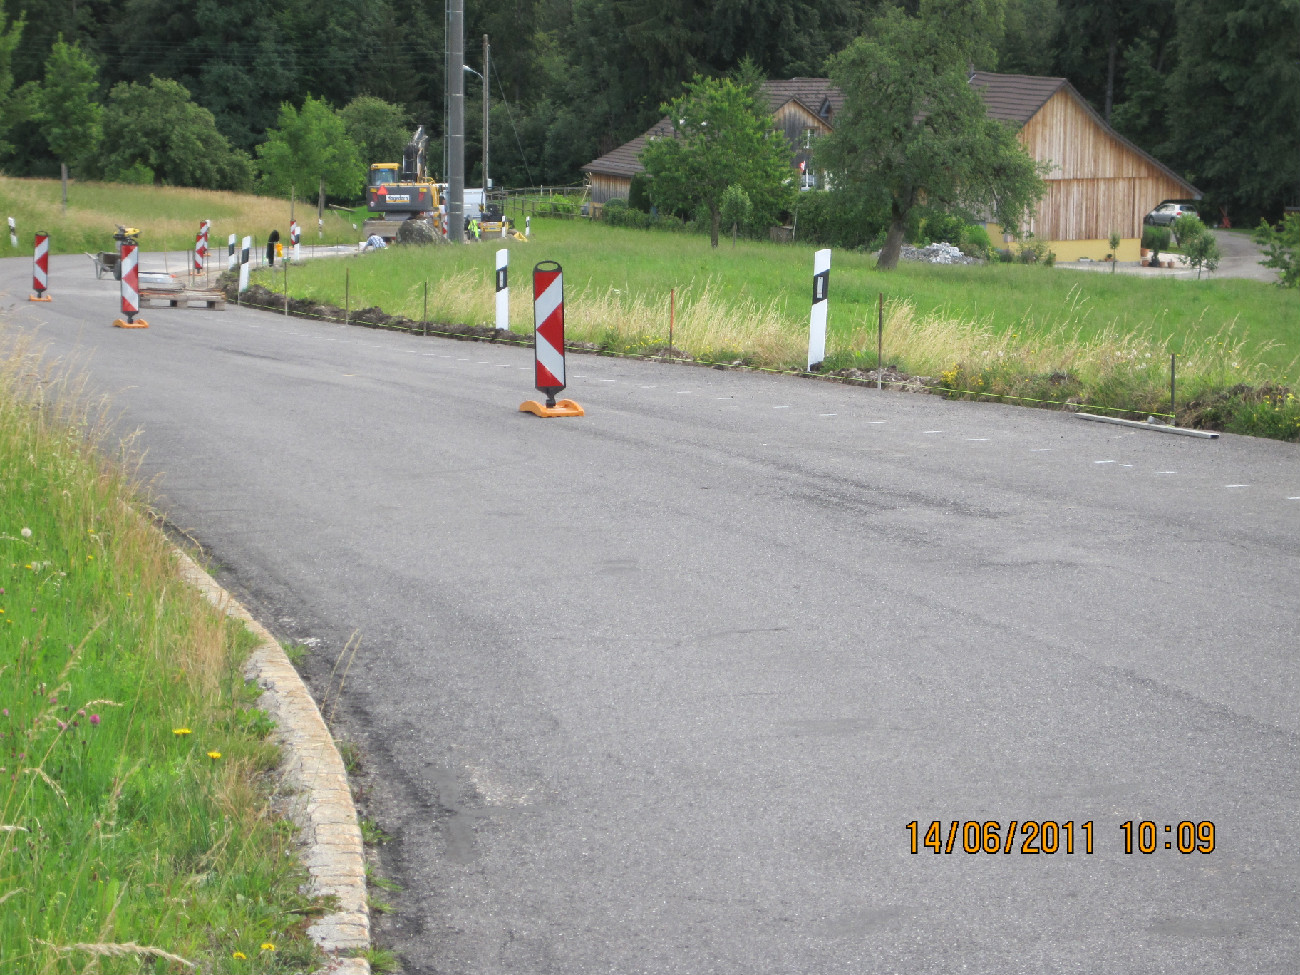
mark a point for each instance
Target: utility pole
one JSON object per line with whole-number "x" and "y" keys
{"x": 456, "y": 121}
{"x": 486, "y": 89}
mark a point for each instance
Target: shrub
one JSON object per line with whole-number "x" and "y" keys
{"x": 638, "y": 197}
{"x": 836, "y": 219}
{"x": 1282, "y": 248}
{"x": 1157, "y": 238}
{"x": 1186, "y": 228}
{"x": 938, "y": 227}
{"x": 974, "y": 241}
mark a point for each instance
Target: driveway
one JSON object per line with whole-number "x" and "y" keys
{"x": 1241, "y": 257}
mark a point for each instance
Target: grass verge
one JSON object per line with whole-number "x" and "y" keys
{"x": 168, "y": 217}
{"x": 136, "y": 832}
{"x": 1036, "y": 335}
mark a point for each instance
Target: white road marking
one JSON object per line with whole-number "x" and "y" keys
{"x": 780, "y": 407}
{"x": 932, "y": 431}
{"x": 1103, "y": 462}
{"x": 975, "y": 439}
{"x": 1236, "y": 485}
{"x": 1166, "y": 472}
{"x": 836, "y": 414}
{"x": 1040, "y": 450}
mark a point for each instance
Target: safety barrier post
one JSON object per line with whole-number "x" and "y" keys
{"x": 244, "y": 254}
{"x": 503, "y": 289}
{"x": 232, "y": 261}
{"x": 817, "y": 325}
{"x": 13, "y": 233}
{"x": 548, "y": 342}
{"x": 41, "y": 267}
{"x": 295, "y": 235}
{"x": 128, "y": 259}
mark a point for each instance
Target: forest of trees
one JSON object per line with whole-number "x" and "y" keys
{"x": 1211, "y": 87}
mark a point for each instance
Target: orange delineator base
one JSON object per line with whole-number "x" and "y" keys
{"x": 138, "y": 323}
{"x": 564, "y": 407}
{"x": 39, "y": 298}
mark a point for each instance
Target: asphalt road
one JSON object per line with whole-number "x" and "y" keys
{"x": 660, "y": 689}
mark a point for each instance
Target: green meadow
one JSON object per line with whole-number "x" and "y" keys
{"x": 1034, "y": 333}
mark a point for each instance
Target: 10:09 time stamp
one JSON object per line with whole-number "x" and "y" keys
{"x": 1048, "y": 836}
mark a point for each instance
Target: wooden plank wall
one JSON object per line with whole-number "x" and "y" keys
{"x": 1097, "y": 184}
{"x": 605, "y": 188}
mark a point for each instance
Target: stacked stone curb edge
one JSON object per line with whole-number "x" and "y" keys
{"x": 315, "y": 782}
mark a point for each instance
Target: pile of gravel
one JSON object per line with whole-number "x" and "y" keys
{"x": 937, "y": 254}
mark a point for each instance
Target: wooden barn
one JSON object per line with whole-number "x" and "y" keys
{"x": 802, "y": 108}
{"x": 1099, "y": 181}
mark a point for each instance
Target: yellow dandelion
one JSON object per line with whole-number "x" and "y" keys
{"x": 239, "y": 956}
{"x": 180, "y": 732}
{"x": 267, "y": 946}
{"x": 214, "y": 755}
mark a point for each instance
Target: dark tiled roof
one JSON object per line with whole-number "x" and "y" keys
{"x": 623, "y": 161}
{"x": 818, "y": 95}
{"x": 1015, "y": 97}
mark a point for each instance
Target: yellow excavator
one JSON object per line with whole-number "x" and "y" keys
{"x": 400, "y": 193}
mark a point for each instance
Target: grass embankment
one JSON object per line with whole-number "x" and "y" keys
{"x": 134, "y": 826}
{"x": 1010, "y": 331}
{"x": 168, "y": 217}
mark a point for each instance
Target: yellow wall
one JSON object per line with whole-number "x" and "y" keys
{"x": 1072, "y": 250}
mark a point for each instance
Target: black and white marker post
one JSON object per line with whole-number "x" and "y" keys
{"x": 245, "y": 251}
{"x": 821, "y": 291}
{"x": 503, "y": 289}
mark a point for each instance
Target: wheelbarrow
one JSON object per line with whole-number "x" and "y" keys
{"x": 105, "y": 263}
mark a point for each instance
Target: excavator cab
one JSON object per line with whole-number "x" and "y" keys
{"x": 381, "y": 174}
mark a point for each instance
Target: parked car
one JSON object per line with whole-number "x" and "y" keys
{"x": 1167, "y": 213}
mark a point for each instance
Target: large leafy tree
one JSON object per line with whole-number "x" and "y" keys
{"x": 723, "y": 136}
{"x": 10, "y": 35}
{"x": 156, "y": 129}
{"x": 1235, "y": 108}
{"x": 914, "y": 133}
{"x": 379, "y": 129}
{"x": 307, "y": 146}
{"x": 68, "y": 109}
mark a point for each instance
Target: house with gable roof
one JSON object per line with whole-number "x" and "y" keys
{"x": 802, "y": 108}
{"x": 1098, "y": 181}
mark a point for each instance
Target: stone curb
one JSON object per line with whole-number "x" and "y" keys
{"x": 311, "y": 769}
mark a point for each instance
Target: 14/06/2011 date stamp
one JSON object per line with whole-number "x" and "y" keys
{"x": 1039, "y": 836}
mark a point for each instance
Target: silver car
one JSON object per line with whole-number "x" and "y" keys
{"x": 1167, "y": 213}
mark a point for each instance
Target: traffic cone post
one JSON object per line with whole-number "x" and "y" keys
{"x": 41, "y": 268}
{"x": 128, "y": 257}
{"x": 548, "y": 342}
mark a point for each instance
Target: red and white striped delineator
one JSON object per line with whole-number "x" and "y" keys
{"x": 41, "y": 268}
{"x": 201, "y": 246}
{"x": 548, "y": 342}
{"x": 128, "y": 260}
{"x": 821, "y": 293}
{"x": 503, "y": 289}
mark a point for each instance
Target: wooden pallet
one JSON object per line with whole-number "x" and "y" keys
{"x": 213, "y": 300}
